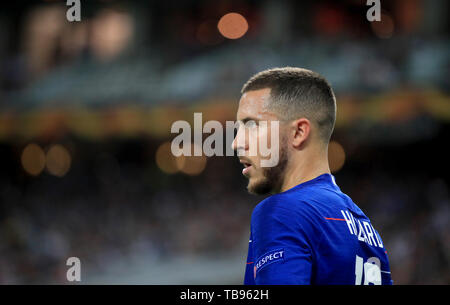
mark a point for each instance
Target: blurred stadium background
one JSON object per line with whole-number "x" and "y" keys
{"x": 86, "y": 109}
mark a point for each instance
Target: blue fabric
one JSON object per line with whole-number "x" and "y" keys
{"x": 314, "y": 234}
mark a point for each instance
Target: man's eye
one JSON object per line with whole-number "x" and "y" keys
{"x": 250, "y": 124}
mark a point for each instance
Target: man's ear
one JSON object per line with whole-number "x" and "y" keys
{"x": 301, "y": 129}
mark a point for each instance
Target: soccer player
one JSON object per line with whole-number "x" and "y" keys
{"x": 307, "y": 231}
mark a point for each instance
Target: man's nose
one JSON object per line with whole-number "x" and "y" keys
{"x": 238, "y": 143}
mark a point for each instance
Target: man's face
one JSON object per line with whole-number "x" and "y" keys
{"x": 255, "y": 122}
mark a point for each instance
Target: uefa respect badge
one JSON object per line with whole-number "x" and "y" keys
{"x": 267, "y": 259}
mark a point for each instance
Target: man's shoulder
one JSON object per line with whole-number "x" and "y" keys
{"x": 285, "y": 203}
{"x": 309, "y": 202}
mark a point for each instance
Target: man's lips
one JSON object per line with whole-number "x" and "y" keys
{"x": 247, "y": 166}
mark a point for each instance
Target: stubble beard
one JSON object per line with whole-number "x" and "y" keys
{"x": 273, "y": 177}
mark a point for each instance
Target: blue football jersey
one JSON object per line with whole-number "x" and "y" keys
{"x": 314, "y": 234}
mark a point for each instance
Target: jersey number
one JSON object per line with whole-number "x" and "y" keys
{"x": 371, "y": 270}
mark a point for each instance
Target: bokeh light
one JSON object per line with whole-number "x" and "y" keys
{"x": 384, "y": 28}
{"x": 165, "y": 160}
{"x": 33, "y": 159}
{"x": 191, "y": 165}
{"x": 58, "y": 160}
{"x": 336, "y": 156}
{"x": 112, "y": 31}
{"x": 233, "y": 25}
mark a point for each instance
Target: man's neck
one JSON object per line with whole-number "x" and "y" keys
{"x": 305, "y": 169}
